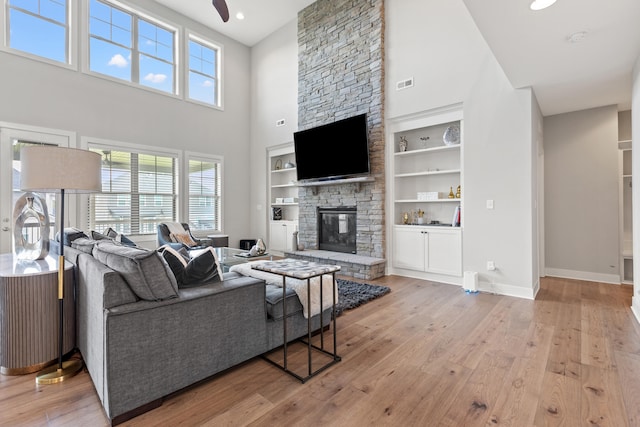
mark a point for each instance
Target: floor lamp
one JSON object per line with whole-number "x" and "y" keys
{"x": 52, "y": 169}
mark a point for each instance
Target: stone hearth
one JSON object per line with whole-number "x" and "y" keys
{"x": 357, "y": 266}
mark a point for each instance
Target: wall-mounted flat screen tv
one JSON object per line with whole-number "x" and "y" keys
{"x": 333, "y": 151}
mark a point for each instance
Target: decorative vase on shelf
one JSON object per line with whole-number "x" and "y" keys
{"x": 451, "y": 195}
{"x": 451, "y": 135}
{"x": 31, "y": 228}
{"x": 403, "y": 144}
{"x": 405, "y": 218}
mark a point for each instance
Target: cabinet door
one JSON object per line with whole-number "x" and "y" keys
{"x": 278, "y": 236}
{"x": 444, "y": 252}
{"x": 408, "y": 249}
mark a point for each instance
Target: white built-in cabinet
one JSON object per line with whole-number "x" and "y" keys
{"x": 426, "y": 189}
{"x": 281, "y": 235}
{"x": 428, "y": 249}
{"x": 283, "y": 197}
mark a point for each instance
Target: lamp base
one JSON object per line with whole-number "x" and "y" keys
{"x": 54, "y": 375}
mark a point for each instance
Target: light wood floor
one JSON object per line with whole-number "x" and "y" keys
{"x": 426, "y": 354}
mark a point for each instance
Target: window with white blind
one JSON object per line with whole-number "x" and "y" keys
{"x": 139, "y": 191}
{"x": 205, "y": 187}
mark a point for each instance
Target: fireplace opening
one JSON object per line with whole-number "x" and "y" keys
{"x": 337, "y": 229}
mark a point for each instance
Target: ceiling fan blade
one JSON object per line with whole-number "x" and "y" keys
{"x": 223, "y": 10}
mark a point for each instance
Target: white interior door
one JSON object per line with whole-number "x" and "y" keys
{"x": 12, "y": 138}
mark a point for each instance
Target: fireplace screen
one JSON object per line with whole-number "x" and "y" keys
{"x": 337, "y": 229}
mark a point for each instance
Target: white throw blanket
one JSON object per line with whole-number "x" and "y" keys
{"x": 175, "y": 228}
{"x": 299, "y": 286}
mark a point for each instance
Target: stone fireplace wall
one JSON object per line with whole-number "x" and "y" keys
{"x": 341, "y": 74}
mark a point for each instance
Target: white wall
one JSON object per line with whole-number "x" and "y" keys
{"x": 581, "y": 195}
{"x": 38, "y": 94}
{"x": 274, "y": 88}
{"x": 635, "y": 123}
{"x": 438, "y": 44}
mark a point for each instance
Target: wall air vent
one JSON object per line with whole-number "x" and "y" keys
{"x": 403, "y": 84}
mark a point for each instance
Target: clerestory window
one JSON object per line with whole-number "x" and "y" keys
{"x": 125, "y": 44}
{"x": 40, "y": 28}
{"x": 204, "y": 71}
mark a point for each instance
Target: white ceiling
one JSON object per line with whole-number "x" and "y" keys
{"x": 262, "y": 17}
{"x": 532, "y": 47}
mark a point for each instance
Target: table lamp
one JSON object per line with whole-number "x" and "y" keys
{"x": 52, "y": 169}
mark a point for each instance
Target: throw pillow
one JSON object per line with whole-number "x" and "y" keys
{"x": 99, "y": 236}
{"x": 119, "y": 237}
{"x": 183, "y": 238}
{"x": 84, "y": 244}
{"x": 71, "y": 234}
{"x": 148, "y": 276}
{"x": 203, "y": 268}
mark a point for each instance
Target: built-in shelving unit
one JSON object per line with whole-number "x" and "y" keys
{"x": 626, "y": 222}
{"x": 283, "y": 197}
{"x": 426, "y": 174}
{"x": 426, "y": 192}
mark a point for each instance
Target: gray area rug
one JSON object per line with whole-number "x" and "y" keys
{"x": 353, "y": 294}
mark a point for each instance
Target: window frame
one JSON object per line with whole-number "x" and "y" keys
{"x": 71, "y": 43}
{"x": 184, "y": 212}
{"x": 219, "y": 48}
{"x": 137, "y": 13}
{"x": 89, "y": 143}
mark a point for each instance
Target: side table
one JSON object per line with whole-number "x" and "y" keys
{"x": 29, "y": 314}
{"x": 305, "y": 270}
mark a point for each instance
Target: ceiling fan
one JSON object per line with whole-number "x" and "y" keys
{"x": 223, "y": 10}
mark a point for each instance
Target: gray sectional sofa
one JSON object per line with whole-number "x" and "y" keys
{"x": 138, "y": 351}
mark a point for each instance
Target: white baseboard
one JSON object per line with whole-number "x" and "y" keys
{"x": 635, "y": 308}
{"x": 583, "y": 275}
{"x": 509, "y": 290}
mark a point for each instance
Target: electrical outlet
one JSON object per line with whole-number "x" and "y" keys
{"x": 280, "y": 123}
{"x": 491, "y": 266}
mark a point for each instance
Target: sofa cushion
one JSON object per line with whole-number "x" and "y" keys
{"x": 148, "y": 276}
{"x": 273, "y": 296}
{"x": 195, "y": 271}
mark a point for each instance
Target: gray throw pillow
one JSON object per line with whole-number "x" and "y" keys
{"x": 148, "y": 276}
{"x": 84, "y": 244}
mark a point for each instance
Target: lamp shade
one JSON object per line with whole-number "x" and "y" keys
{"x": 50, "y": 169}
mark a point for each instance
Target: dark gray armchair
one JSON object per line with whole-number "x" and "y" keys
{"x": 164, "y": 238}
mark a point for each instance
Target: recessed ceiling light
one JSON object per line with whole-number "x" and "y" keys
{"x": 240, "y": 16}
{"x": 577, "y": 37}
{"x": 541, "y": 4}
